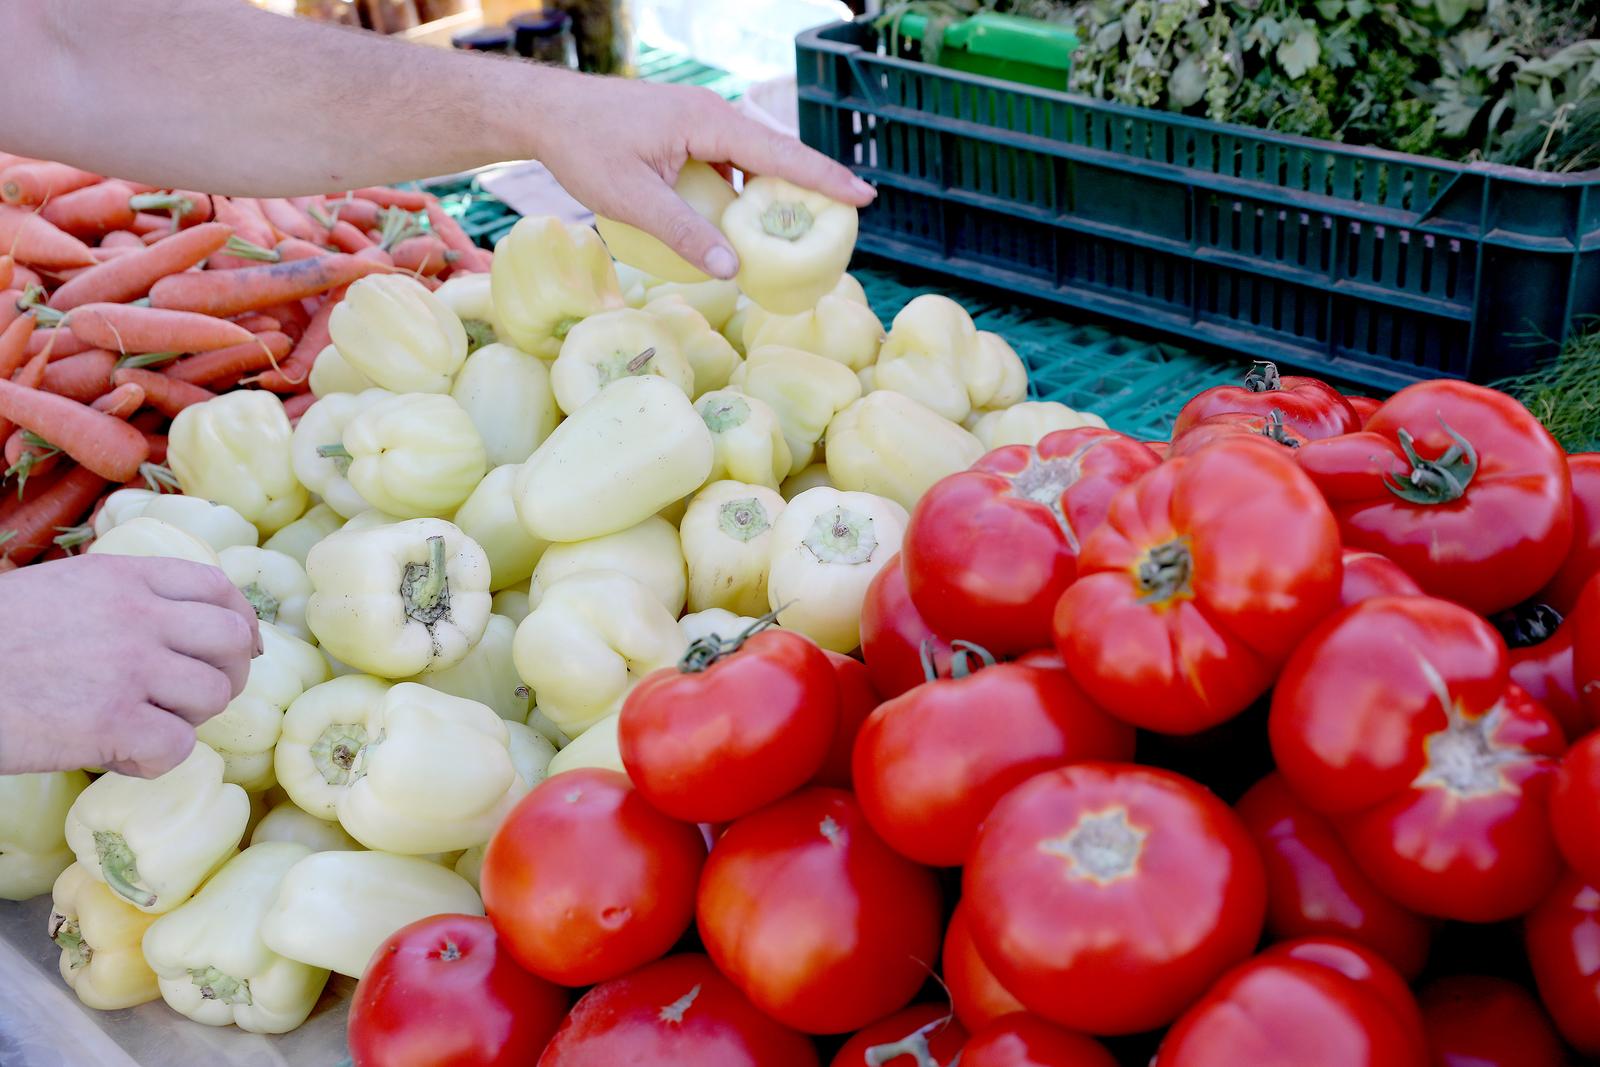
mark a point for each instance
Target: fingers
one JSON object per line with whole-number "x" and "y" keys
{"x": 186, "y": 582}
{"x": 189, "y": 688}
{"x": 655, "y": 208}
{"x": 144, "y": 741}
{"x": 218, "y": 638}
{"x": 756, "y": 149}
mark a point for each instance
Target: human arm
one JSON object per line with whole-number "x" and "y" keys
{"x": 220, "y": 96}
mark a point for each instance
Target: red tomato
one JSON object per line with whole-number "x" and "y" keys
{"x": 585, "y": 881}
{"x": 990, "y": 549}
{"x": 1267, "y": 426}
{"x": 1563, "y": 939}
{"x": 921, "y": 1036}
{"x": 1108, "y": 896}
{"x": 1459, "y": 485}
{"x": 1363, "y": 965}
{"x": 857, "y": 698}
{"x": 1435, "y": 768}
{"x": 893, "y": 635}
{"x": 930, "y": 763}
{"x": 1583, "y": 558}
{"x": 1024, "y": 1040}
{"x": 1364, "y": 406}
{"x": 819, "y": 923}
{"x": 1282, "y": 1011}
{"x": 975, "y": 993}
{"x": 1204, "y": 577}
{"x": 728, "y": 732}
{"x": 679, "y": 1010}
{"x": 1314, "y": 887}
{"x": 1575, "y": 808}
{"x": 1477, "y": 1021}
{"x": 441, "y": 993}
{"x": 1545, "y": 672}
{"x": 1310, "y": 406}
{"x": 1584, "y": 623}
{"x": 1367, "y": 574}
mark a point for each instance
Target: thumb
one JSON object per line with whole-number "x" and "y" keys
{"x": 654, "y": 208}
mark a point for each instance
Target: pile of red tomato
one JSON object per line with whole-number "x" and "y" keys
{"x": 1211, "y": 751}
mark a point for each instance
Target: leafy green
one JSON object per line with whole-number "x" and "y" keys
{"x": 1564, "y": 393}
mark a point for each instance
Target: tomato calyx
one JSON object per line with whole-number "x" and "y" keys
{"x": 1263, "y": 377}
{"x": 1043, "y": 481}
{"x": 448, "y": 952}
{"x": 1439, "y": 480}
{"x": 914, "y": 1044}
{"x": 1527, "y": 624}
{"x": 1274, "y": 429}
{"x": 674, "y": 1012}
{"x": 962, "y": 653}
{"x": 704, "y": 651}
{"x": 1102, "y": 847}
{"x": 1165, "y": 572}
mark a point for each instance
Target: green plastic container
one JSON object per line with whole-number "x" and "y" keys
{"x": 999, "y": 46}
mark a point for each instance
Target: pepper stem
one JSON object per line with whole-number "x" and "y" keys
{"x": 265, "y": 604}
{"x": 636, "y": 364}
{"x": 223, "y": 988}
{"x": 339, "y": 454}
{"x": 840, "y": 535}
{"x": 425, "y": 587}
{"x": 1435, "y": 481}
{"x": 68, "y": 936}
{"x": 744, "y": 519}
{"x": 1263, "y": 377}
{"x": 724, "y": 413}
{"x": 118, "y": 866}
{"x": 334, "y": 751}
{"x": 787, "y": 219}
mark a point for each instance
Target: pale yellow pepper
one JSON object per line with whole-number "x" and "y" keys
{"x": 396, "y": 333}
{"x": 649, "y": 552}
{"x": 804, "y": 389}
{"x": 507, "y": 395}
{"x": 99, "y": 936}
{"x": 889, "y": 444}
{"x": 708, "y": 353}
{"x": 793, "y": 243}
{"x": 547, "y": 277}
{"x": 748, "y": 436}
{"x": 33, "y": 839}
{"x": 235, "y": 450}
{"x": 727, "y": 541}
{"x": 612, "y": 345}
{"x": 703, "y": 189}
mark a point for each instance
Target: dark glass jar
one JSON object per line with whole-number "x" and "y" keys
{"x": 604, "y": 29}
{"x": 545, "y": 37}
{"x": 495, "y": 39}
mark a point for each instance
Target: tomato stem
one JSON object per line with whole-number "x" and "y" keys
{"x": 1276, "y": 431}
{"x": 1165, "y": 573}
{"x": 1435, "y": 481}
{"x": 704, "y": 651}
{"x": 1263, "y": 377}
{"x": 962, "y": 654}
{"x": 914, "y": 1045}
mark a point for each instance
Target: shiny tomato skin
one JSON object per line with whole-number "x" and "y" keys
{"x": 1267, "y": 426}
{"x": 1584, "y": 623}
{"x": 930, "y": 763}
{"x": 585, "y": 881}
{"x": 1546, "y": 673}
{"x": 1583, "y": 558}
{"x": 1024, "y": 1040}
{"x": 1563, "y": 940}
{"x": 678, "y": 1010}
{"x": 814, "y": 918}
{"x": 938, "y": 1045}
{"x": 975, "y": 993}
{"x": 1361, "y": 964}
{"x": 1281, "y": 1011}
{"x": 857, "y": 699}
{"x": 1203, "y": 578}
{"x": 990, "y": 549}
{"x": 442, "y": 992}
{"x": 1479, "y": 1021}
{"x": 1446, "y": 813}
{"x": 1315, "y": 888}
{"x": 1575, "y": 808}
{"x": 1309, "y": 405}
{"x": 1491, "y": 547}
{"x": 1367, "y": 574}
{"x": 1364, "y": 406}
{"x": 1068, "y": 869}
{"x": 893, "y": 635}
{"x": 711, "y": 745}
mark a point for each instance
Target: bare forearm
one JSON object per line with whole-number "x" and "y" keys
{"x": 219, "y": 96}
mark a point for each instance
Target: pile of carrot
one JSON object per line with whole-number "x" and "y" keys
{"x": 122, "y": 304}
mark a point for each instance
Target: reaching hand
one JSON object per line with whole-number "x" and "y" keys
{"x": 112, "y": 661}
{"x": 617, "y": 146}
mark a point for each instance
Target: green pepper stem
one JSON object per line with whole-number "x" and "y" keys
{"x": 636, "y": 364}
{"x": 119, "y": 866}
{"x": 789, "y": 220}
{"x": 425, "y": 587}
{"x": 265, "y": 604}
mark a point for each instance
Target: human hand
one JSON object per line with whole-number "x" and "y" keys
{"x": 617, "y": 146}
{"x": 112, "y": 661}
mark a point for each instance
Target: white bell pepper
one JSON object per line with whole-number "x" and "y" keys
{"x": 120, "y": 506}
{"x": 715, "y": 299}
{"x": 488, "y": 674}
{"x": 334, "y": 909}
{"x": 715, "y": 622}
{"x": 512, "y": 603}
{"x": 217, "y": 525}
{"x": 649, "y": 552}
{"x": 414, "y": 454}
{"x": 143, "y": 536}
{"x": 996, "y": 377}
{"x": 708, "y": 353}
{"x": 398, "y": 334}
{"x": 153, "y": 841}
{"x": 296, "y": 539}
{"x": 33, "y": 839}
{"x": 401, "y": 599}
{"x": 595, "y": 747}
{"x": 489, "y": 517}
{"x": 507, "y": 394}
{"x": 287, "y": 821}
{"x": 930, "y": 348}
{"x": 99, "y": 936}
{"x": 805, "y": 390}
{"x": 469, "y": 865}
{"x": 371, "y": 519}
{"x": 323, "y": 732}
{"x": 827, "y": 546}
{"x": 750, "y": 446}
{"x": 471, "y": 298}
{"x": 703, "y": 189}
{"x": 275, "y": 584}
{"x": 807, "y": 478}
{"x": 793, "y": 243}
{"x": 209, "y": 958}
{"x": 727, "y": 542}
{"x": 1028, "y": 423}
{"x": 613, "y": 345}
{"x": 540, "y": 723}
{"x": 547, "y": 277}
{"x": 733, "y": 329}
{"x": 592, "y": 637}
{"x": 889, "y": 444}
{"x": 247, "y": 730}
{"x": 632, "y": 282}
{"x": 332, "y": 374}
{"x": 317, "y": 448}
{"x": 841, "y": 327}
{"x": 235, "y": 450}
{"x": 531, "y": 753}
{"x": 634, "y": 449}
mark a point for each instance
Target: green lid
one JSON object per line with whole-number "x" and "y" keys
{"x": 1007, "y": 37}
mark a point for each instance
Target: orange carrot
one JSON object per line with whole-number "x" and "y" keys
{"x": 131, "y": 276}
{"x": 34, "y": 183}
{"x": 121, "y": 239}
{"x": 291, "y": 374}
{"x": 85, "y": 377}
{"x": 7, "y": 265}
{"x": 297, "y": 405}
{"x": 192, "y": 208}
{"x": 383, "y": 196}
{"x": 167, "y": 395}
{"x": 448, "y": 229}
{"x": 230, "y": 292}
{"x": 292, "y": 248}
{"x": 257, "y": 322}
{"x": 149, "y": 421}
{"x": 28, "y": 455}
{"x": 14, "y": 344}
{"x": 129, "y": 329}
{"x": 122, "y": 401}
{"x": 33, "y": 526}
{"x": 250, "y": 225}
{"x": 36, "y": 241}
{"x": 158, "y": 447}
{"x": 346, "y": 238}
{"x": 287, "y": 219}
{"x": 23, "y": 278}
{"x": 478, "y": 261}
{"x": 57, "y": 341}
{"x": 93, "y": 210}
{"x": 423, "y": 255}
{"x": 151, "y": 227}
{"x": 377, "y": 255}
{"x": 212, "y": 368}
{"x": 258, "y": 224}
{"x": 362, "y": 214}
{"x": 108, "y": 446}
{"x": 292, "y": 318}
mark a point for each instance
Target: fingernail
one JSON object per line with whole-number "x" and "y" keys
{"x": 721, "y": 262}
{"x": 864, "y": 188}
